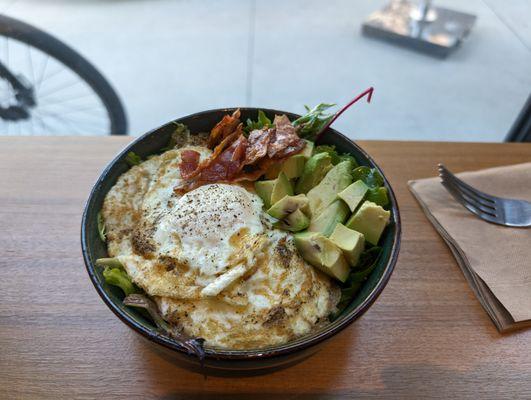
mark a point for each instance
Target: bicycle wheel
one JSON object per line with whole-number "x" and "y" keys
{"x": 70, "y": 96}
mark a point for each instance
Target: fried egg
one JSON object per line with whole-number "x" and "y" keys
{"x": 211, "y": 259}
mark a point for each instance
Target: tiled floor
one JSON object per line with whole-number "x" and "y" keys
{"x": 168, "y": 58}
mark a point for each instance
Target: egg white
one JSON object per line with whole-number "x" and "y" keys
{"x": 211, "y": 258}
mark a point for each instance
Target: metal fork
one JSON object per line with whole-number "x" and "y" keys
{"x": 498, "y": 210}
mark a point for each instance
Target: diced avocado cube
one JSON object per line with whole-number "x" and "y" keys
{"x": 337, "y": 212}
{"x": 307, "y": 245}
{"x": 308, "y": 149}
{"x": 281, "y": 188}
{"x": 353, "y": 194}
{"x": 287, "y": 205}
{"x": 350, "y": 242}
{"x": 335, "y": 181}
{"x": 264, "y": 189}
{"x": 370, "y": 219}
{"x": 293, "y": 167}
{"x": 294, "y": 222}
{"x": 315, "y": 170}
{"x": 319, "y": 251}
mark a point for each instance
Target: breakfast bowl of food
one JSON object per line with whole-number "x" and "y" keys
{"x": 241, "y": 239}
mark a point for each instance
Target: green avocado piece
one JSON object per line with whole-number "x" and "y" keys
{"x": 287, "y": 205}
{"x": 315, "y": 169}
{"x": 335, "y": 181}
{"x": 370, "y": 219}
{"x": 308, "y": 149}
{"x": 353, "y": 194}
{"x": 350, "y": 242}
{"x": 294, "y": 222}
{"x": 264, "y": 189}
{"x": 337, "y": 212}
{"x": 281, "y": 188}
{"x": 292, "y": 167}
{"x": 319, "y": 251}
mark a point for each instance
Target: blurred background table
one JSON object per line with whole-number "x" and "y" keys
{"x": 425, "y": 337}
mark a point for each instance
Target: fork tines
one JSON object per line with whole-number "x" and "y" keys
{"x": 476, "y": 201}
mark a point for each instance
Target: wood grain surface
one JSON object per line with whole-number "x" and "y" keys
{"x": 425, "y": 337}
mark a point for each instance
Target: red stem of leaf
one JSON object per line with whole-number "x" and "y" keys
{"x": 367, "y": 93}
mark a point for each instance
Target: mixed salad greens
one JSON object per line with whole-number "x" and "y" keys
{"x": 335, "y": 208}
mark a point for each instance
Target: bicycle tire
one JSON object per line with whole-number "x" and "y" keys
{"x": 30, "y": 35}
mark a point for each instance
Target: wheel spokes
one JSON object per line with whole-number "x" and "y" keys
{"x": 65, "y": 103}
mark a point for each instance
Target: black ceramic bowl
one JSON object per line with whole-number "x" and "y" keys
{"x": 262, "y": 359}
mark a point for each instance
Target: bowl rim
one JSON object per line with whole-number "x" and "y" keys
{"x": 298, "y": 344}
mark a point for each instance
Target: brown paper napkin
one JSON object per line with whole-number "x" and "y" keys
{"x": 495, "y": 260}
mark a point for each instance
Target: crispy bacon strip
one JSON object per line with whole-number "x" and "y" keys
{"x": 217, "y": 151}
{"x": 243, "y": 176}
{"x": 227, "y": 164}
{"x": 258, "y": 143}
{"x": 284, "y": 136}
{"x": 223, "y": 129}
{"x": 225, "y": 167}
{"x": 239, "y": 147}
{"x": 189, "y": 163}
{"x": 236, "y": 158}
{"x": 290, "y": 150}
{"x": 281, "y": 121}
{"x": 261, "y": 167}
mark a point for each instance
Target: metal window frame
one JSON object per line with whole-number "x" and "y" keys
{"x": 521, "y": 129}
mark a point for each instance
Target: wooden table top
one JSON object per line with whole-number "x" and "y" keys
{"x": 425, "y": 337}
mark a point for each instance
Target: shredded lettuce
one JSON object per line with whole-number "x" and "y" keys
{"x": 132, "y": 159}
{"x": 370, "y": 176}
{"x": 113, "y": 262}
{"x": 330, "y": 150}
{"x": 101, "y": 227}
{"x": 179, "y": 137}
{"x": 368, "y": 261}
{"x": 260, "y": 123}
{"x": 378, "y": 196}
{"x": 314, "y": 120}
{"x": 118, "y": 277}
{"x": 348, "y": 157}
{"x": 334, "y": 155}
